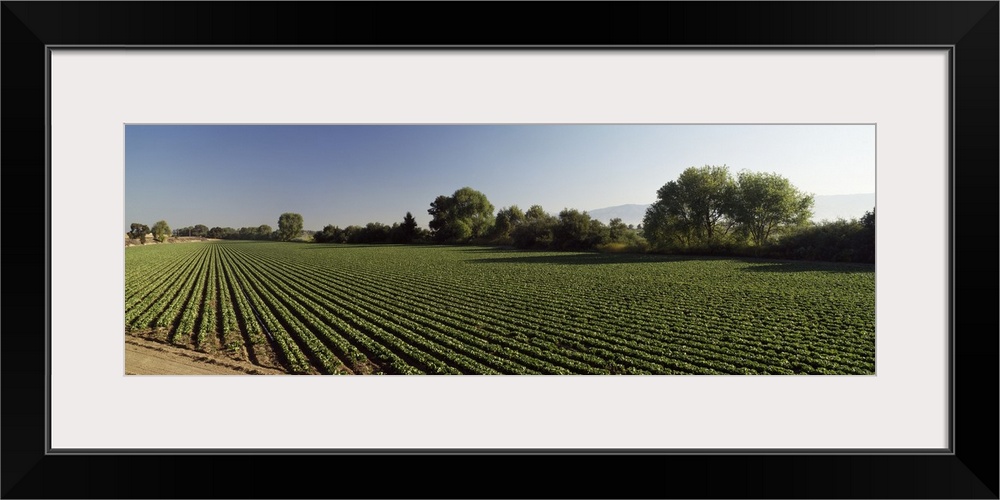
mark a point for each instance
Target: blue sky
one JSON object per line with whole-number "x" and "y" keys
{"x": 248, "y": 175}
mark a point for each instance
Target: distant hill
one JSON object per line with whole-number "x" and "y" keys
{"x": 828, "y": 207}
{"x": 629, "y": 214}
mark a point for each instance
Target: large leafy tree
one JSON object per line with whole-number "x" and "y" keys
{"x": 465, "y": 214}
{"x": 440, "y": 213}
{"x": 506, "y": 220}
{"x": 764, "y": 204}
{"x": 537, "y": 229}
{"x": 663, "y": 229}
{"x": 536, "y": 213}
{"x": 692, "y": 208}
{"x": 573, "y": 230}
{"x": 161, "y": 231}
{"x": 138, "y": 232}
{"x": 289, "y": 226}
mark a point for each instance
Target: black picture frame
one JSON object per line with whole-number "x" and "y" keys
{"x": 970, "y": 470}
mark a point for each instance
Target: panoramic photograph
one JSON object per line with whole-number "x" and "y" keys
{"x": 548, "y": 249}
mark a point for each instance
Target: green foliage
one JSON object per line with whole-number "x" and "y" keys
{"x": 373, "y": 233}
{"x": 440, "y": 213}
{"x": 765, "y": 204}
{"x": 868, "y": 220}
{"x": 836, "y": 241}
{"x": 705, "y": 210}
{"x": 222, "y": 233}
{"x": 464, "y": 215}
{"x": 692, "y": 208}
{"x": 573, "y": 232}
{"x": 161, "y": 231}
{"x": 536, "y": 231}
{"x": 289, "y": 226}
{"x": 507, "y": 220}
{"x": 138, "y": 232}
{"x": 664, "y": 230}
{"x": 376, "y": 232}
{"x": 234, "y": 346}
{"x": 330, "y": 234}
{"x": 200, "y": 231}
{"x": 597, "y": 233}
{"x": 622, "y": 238}
{"x": 618, "y": 232}
{"x": 354, "y": 234}
{"x": 535, "y": 213}
{"x": 407, "y": 232}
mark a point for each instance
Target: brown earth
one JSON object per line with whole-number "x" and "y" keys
{"x": 147, "y": 357}
{"x": 173, "y": 239}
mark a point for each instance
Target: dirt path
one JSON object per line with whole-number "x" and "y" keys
{"x": 145, "y": 357}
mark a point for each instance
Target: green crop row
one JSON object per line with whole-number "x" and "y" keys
{"x": 438, "y": 309}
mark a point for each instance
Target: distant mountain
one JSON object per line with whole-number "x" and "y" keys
{"x": 846, "y": 206}
{"x": 826, "y": 207}
{"x": 629, "y": 214}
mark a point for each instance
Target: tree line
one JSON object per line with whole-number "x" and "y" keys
{"x": 706, "y": 210}
{"x": 467, "y": 217}
{"x": 160, "y": 231}
{"x": 289, "y": 227}
{"x": 374, "y": 232}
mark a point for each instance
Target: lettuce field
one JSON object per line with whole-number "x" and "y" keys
{"x": 384, "y": 309}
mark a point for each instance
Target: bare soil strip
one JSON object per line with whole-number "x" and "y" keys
{"x": 146, "y": 357}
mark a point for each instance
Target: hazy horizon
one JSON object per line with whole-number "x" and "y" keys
{"x": 247, "y": 175}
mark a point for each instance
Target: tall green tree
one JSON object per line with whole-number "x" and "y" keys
{"x": 506, "y": 220}
{"x": 289, "y": 226}
{"x": 138, "y": 232}
{"x": 536, "y": 213}
{"x": 407, "y": 231}
{"x": 765, "y": 204}
{"x": 692, "y": 208}
{"x": 472, "y": 208}
{"x": 464, "y": 215}
{"x": 664, "y": 229}
{"x": 161, "y": 231}
{"x": 440, "y": 213}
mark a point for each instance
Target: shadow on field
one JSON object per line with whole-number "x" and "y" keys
{"x": 596, "y": 258}
{"x": 501, "y": 249}
{"x": 345, "y": 246}
{"x": 760, "y": 266}
{"x": 581, "y": 259}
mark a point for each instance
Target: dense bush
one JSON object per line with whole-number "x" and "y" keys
{"x": 837, "y": 241}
